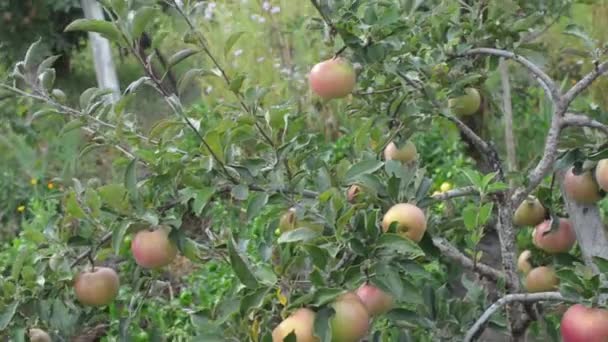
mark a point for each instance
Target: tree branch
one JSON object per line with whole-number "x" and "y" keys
{"x": 460, "y": 192}
{"x": 508, "y": 115}
{"x": 545, "y": 81}
{"x": 517, "y": 297}
{"x": 83, "y": 256}
{"x": 453, "y": 253}
{"x": 581, "y": 120}
{"x": 581, "y": 85}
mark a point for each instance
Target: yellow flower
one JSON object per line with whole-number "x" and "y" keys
{"x": 445, "y": 186}
{"x": 21, "y": 208}
{"x": 50, "y": 185}
{"x": 33, "y": 181}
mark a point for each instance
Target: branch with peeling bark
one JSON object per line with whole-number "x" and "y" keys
{"x": 511, "y": 298}
{"x": 581, "y": 120}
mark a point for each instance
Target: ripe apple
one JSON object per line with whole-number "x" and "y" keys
{"x": 301, "y": 322}
{"x": 375, "y": 300}
{"x": 97, "y": 287}
{"x": 581, "y": 188}
{"x": 529, "y": 213}
{"x": 351, "y": 319}
{"x": 583, "y": 324}
{"x": 39, "y": 335}
{"x": 410, "y": 219}
{"x": 406, "y": 154}
{"x": 333, "y": 78}
{"x": 467, "y": 104}
{"x": 288, "y": 221}
{"x": 559, "y": 241}
{"x": 153, "y": 249}
{"x": 353, "y": 193}
{"x": 601, "y": 174}
{"x": 523, "y": 262}
{"x": 541, "y": 279}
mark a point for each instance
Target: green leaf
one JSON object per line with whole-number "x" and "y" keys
{"x": 142, "y": 18}
{"x": 236, "y": 83}
{"x": 47, "y": 79}
{"x": 253, "y": 300}
{"x": 390, "y": 243}
{"x": 118, "y": 236}
{"x": 322, "y": 327}
{"x": 601, "y": 263}
{"x": 240, "y": 192}
{"x": 73, "y": 207}
{"x": 102, "y": 27}
{"x": 182, "y": 55}
{"x": 469, "y": 216}
{"x": 72, "y": 125}
{"x": 240, "y": 267}
{"x": 114, "y": 196}
{"x": 484, "y": 213}
{"x": 7, "y": 314}
{"x": 33, "y": 56}
{"x": 363, "y": 167}
{"x": 231, "y": 41}
{"x": 131, "y": 184}
{"x": 256, "y": 203}
{"x": 299, "y": 234}
{"x": 93, "y": 201}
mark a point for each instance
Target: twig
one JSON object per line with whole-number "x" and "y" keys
{"x": 326, "y": 19}
{"x": 84, "y": 255}
{"x": 516, "y": 297}
{"x": 581, "y": 85}
{"x": 460, "y": 192}
{"x": 453, "y": 253}
{"x": 545, "y": 81}
{"x": 581, "y": 120}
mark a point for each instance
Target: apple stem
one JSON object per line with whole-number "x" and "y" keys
{"x": 90, "y": 257}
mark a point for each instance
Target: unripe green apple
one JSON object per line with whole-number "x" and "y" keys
{"x": 350, "y": 322}
{"x": 301, "y": 322}
{"x": 582, "y": 324}
{"x": 467, "y": 104}
{"x": 333, "y": 78}
{"x": 601, "y": 174}
{"x": 39, "y": 335}
{"x": 375, "y": 300}
{"x": 541, "y": 279}
{"x": 529, "y": 213}
{"x": 97, "y": 287}
{"x": 406, "y": 154}
{"x": 288, "y": 220}
{"x": 523, "y": 262}
{"x": 581, "y": 188}
{"x": 410, "y": 219}
{"x": 560, "y": 240}
{"x": 153, "y": 249}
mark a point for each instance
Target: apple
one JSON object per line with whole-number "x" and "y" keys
{"x": 353, "y": 193}
{"x": 601, "y": 174}
{"x": 375, "y": 300}
{"x": 97, "y": 287}
{"x": 333, "y": 78}
{"x": 301, "y": 322}
{"x": 529, "y": 213}
{"x": 467, "y": 104}
{"x": 153, "y": 249}
{"x": 559, "y": 241}
{"x": 541, "y": 279}
{"x": 350, "y": 322}
{"x": 39, "y": 335}
{"x": 287, "y": 221}
{"x": 581, "y": 188}
{"x": 523, "y": 262}
{"x": 582, "y": 324}
{"x": 410, "y": 219}
{"x": 406, "y": 154}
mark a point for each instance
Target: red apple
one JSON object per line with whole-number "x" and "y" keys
{"x": 411, "y": 222}
{"x": 559, "y": 241}
{"x": 351, "y": 319}
{"x": 581, "y": 188}
{"x": 541, "y": 279}
{"x": 97, "y": 287}
{"x": 153, "y": 249}
{"x": 375, "y": 300}
{"x": 583, "y": 324}
{"x": 333, "y": 78}
{"x": 301, "y": 322}
{"x": 601, "y": 174}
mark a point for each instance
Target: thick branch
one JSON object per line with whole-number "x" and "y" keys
{"x": 453, "y": 253}
{"x": 581, "y": 120}
{"x": 517, "y": 297}
{"x": 508, "y": 115}
{"x": 545, "y": 81}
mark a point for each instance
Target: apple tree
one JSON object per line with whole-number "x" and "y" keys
{"x": 316, "y": 192}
